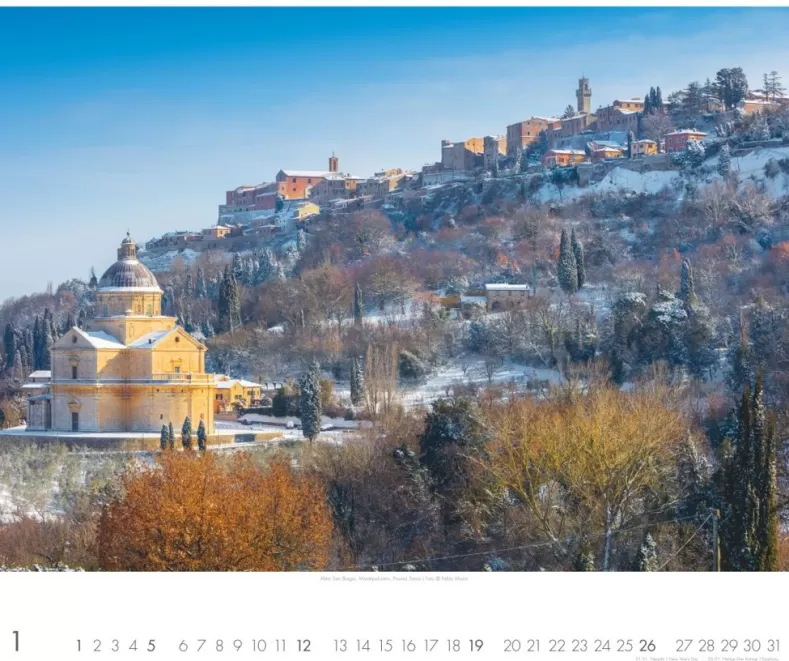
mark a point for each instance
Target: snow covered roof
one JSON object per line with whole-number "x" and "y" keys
{"x": 473, "y": 299}
{"x": 248, "y": 384}
{"x": 150, "y": 340}
{"x": 687, "y": 132}
{"x": 566, "y": 151}
{"x": 305, "y": 173}
{"x": 34, "y": 386}
{"x": 546, "y": 119}
{"x": 99, "y": 339}
{"x": 645, "y": 142}
{"x": 224, "y": 385}
{"x": 506, "y": 287}
{"x": 41, "y": 374}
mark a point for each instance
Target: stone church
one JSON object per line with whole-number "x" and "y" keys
{"x": 129, "y": 369}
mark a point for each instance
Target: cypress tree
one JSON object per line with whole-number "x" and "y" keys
{"x": 38, "y": 343}
{"x": 567, "y": 269}
{"x": 357, "y": 382}
{"x": 186, "y": 434}
{"x": 170, "y": 436}
{"x": 229, "y": 304}
{"x": 189, "y": 285}
{"x": 686, "y": 292}
{"x": 358, "y": 305}
{"x": 238, "y": 268}
{"x": 9, "y": 344}
{"x": 201, "y": 436}
{"x": 201, "y": 290}
{"x": 164, "y": 438}
{"x": 578, "y": 253}
{"x": 658, "y": 99}
{"x": 747, "y": 484}
{"x": 310, "y": 402}
{"x": 724, "y": 161}
{"x": 81, "y": 317}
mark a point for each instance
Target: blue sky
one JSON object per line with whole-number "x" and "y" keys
{"x": 140, "y": 119}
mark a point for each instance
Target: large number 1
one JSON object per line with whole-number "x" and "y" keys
{"x": 16, "y": 640}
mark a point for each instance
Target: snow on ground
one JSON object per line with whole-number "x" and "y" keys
{"x": 162, "y": 262}
{"x": 453, "y": 375}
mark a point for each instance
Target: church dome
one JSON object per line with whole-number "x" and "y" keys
{"x": 128, "y": 272}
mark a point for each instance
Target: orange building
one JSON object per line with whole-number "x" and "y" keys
{"x": 677, "y": 141}
{"x": 297, "y": 184}
{"x": 522, "y": 134}
{"x": 562, "y": 157}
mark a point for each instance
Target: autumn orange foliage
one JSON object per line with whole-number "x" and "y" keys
{"x": 191, "y": 512}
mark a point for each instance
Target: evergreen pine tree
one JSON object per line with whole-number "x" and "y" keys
{"x": 658, "y": 99}
{"x": 578, "y": 253}
{"x": 189, "y": 285}
{"x": 164, "y": 438}
{"x": 229, "y": 305}
{"x": 724, "y": 161}
{"x": 358, "y": 305}
{"x": 357, "y": 382}
{"x": 267, "y": 266}
{"x": 200, "y": 287}
{"x": 68, "y": 324}
{"x": 566, "y": 268}
{"x": 201, "y": 436}
{"x": 764, "y": 131}
{"x": 38, "y": 343}
{"x": 646, "y": 558}
{"x": 686, "y": 292}
{"x": 93, "y": 281}
{"x": 186, "y": 434}
{"x": 81, "y": 317}
{"x": 747, "y": 485}
{"x": 647, "y": 109}
{"x": 46, "y": 351}
{"x": 584, "y": 561}
{"x": 237, "y": 268}
{"x": 631, "y": 138}
{"x": 10, "y": 345}
{"x": 170, "y": 436}
{"x": 310, "y": 402}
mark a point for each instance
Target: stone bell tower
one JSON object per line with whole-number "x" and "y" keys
{"x": 584, "y": 95}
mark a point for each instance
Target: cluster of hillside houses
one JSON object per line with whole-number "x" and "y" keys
{"x": 584, "y": 136}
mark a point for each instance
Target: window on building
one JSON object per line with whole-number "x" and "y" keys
{"x": 74, "y": 421}
{"x": 74, "y": 372}
{"x": 177, "y": 369}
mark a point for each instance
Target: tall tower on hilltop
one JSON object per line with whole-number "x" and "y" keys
{"x": 584, "y": 95}
{"x": 334, "y": 163}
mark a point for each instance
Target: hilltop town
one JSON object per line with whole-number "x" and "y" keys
{"x": 566, "y": 340}
{"x": 639, "y": 134}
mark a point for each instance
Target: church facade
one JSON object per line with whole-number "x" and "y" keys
{"x": 129, "y": 369}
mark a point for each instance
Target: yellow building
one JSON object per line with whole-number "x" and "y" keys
{"x": 235, "y": 392}
{"x": 129, "y": 369}
{"x": 643, "y": 148}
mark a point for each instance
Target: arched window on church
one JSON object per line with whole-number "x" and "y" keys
{"x": 149, "y": 310}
